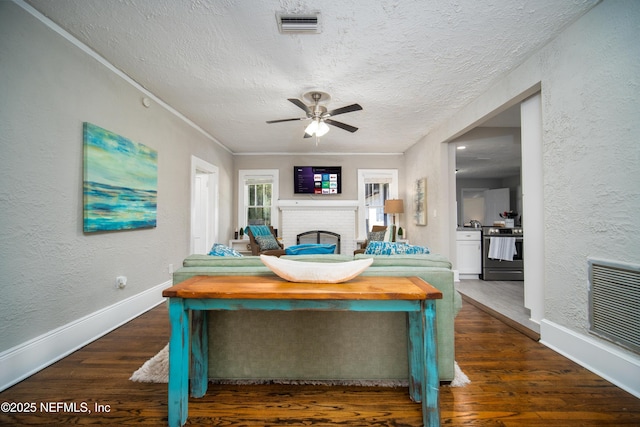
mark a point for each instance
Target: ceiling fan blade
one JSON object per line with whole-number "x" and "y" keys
{"x": 300, "y": 104}
{"x": 287, "y": 120}
{"x": 306, "y": 135}
{"x": 347, "y": 109}
{"x": 341, "y": 125}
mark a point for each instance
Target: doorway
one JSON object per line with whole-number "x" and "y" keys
{"x": 204, "y": 205}
{"x": 529, "y": 111}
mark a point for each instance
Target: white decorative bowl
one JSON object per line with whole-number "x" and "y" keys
{"x": 315, "y": 272}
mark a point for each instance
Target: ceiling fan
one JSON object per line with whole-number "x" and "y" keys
{"x": 319, "y": 115}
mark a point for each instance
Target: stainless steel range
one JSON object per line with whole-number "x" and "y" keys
{"x": 502, "y": 253}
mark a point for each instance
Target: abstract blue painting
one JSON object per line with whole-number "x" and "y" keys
{"x": 120, "y": 182}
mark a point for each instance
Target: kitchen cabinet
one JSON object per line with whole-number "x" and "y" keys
{"x": 469, "y": 253}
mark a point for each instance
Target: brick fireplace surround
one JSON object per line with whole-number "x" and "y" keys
{"x": 337, "y": 216}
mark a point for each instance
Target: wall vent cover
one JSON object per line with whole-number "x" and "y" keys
{"x": 614, "y": 302}
{"x": 292, "y": 23}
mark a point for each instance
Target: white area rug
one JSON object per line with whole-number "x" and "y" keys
{"x": 156, "y": 370}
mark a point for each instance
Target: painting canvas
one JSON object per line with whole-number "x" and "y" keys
{"x": 120, "y": 182}
{"x": 421, "y": 202}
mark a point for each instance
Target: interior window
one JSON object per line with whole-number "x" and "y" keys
{"x": 375, "y": 195}
{"x": 374, "y": 187}
{"x": 260, "y": 203}
{"x": 257, "y": 197}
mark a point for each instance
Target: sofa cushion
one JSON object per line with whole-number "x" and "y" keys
{"x": 218, "y": 249}
{"x": 311, "y": 249}
{"x": 197, "y": 260}
{"x": 266, "y": 242}
{"x": 413, "y": 260}
{"x": 320, "y": 257}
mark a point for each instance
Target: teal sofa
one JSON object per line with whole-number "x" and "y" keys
{"x": 323, "y": 346}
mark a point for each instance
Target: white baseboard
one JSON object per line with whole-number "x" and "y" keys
{"x": 615, "y": 366}
{"x": 26, "y": 359}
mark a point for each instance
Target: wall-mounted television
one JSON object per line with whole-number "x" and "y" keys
{"x": 317, "y": 179}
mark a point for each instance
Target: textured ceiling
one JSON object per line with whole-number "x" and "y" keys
{"x": 225, "y": 66}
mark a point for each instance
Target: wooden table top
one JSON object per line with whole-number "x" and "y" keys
{"x": 273, "y": 287}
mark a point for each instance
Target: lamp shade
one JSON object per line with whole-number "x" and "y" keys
{"x": 393, "y": 206}
{"x": 322, "y": 129}
{"x": 317, "y": 127}
{"x": 312, "y": 128}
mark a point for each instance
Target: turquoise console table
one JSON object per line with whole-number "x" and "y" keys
{"x": 199, "y": 294}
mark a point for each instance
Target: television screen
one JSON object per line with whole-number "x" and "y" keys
{"x": 317, "y": 179}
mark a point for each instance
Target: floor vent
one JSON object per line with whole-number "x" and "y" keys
{"x": 614, "y": 302}
{"x": 299, "y": 23}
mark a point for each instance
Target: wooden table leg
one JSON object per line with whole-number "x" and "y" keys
{"x": 199, "y": 353}
{"x": 414, "y": 352}
{"x": 178, "y": 391}
{"x": 431, "y": 380}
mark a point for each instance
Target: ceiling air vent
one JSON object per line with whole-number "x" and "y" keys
{"x": 308, "y": 23}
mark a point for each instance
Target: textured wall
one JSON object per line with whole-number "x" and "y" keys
{"x": 429, "y": 159}
{"x": 350, "y": 165}
{"x": 589, "y": 80}
{"x": 52, "y": 273}
{"x": 591, "y": 153}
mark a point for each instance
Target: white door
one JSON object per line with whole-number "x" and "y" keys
{"x": 201, "y": 214}
{"x": 204, "y": 206}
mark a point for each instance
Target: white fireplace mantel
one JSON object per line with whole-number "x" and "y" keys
{"x": 337, "y": 216}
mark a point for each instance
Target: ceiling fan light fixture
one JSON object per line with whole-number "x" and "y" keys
{"x": 321, "y": 118}
{"x": 323, "y": 128}
{"x": 312, "y": 128}
{"x": 317, "y": 127}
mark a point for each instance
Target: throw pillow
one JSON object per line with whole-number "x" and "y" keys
{"x": 414, "y": 250}
{"x": 385, "y": 248}
{"x": 267, "y": 242}
{"x": 394, "y": 248}
{"x": 377, "y": 236}
{"x": 310, "y": 249}
{"x": 219, "y": 249}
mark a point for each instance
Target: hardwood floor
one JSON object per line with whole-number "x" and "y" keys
{"x": 515, "y": 382}
{"x": 504, "y": 299}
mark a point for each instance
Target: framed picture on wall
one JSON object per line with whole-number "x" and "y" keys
{"x": 420, "y": 196}
{"x": 120, "y": 182}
